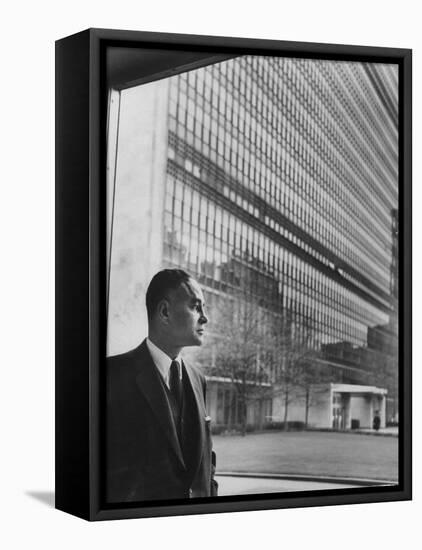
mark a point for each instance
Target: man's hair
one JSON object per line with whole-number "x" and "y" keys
{"x": 161, "y": 283}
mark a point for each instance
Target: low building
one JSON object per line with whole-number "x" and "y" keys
{"x": 337, "y": 406}
{"x": 225, "y": 404}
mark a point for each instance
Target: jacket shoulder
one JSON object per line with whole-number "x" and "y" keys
{"x": 118, "y": 365}
{"x": 196, "y": 374}
{"x": 127, "y": 355}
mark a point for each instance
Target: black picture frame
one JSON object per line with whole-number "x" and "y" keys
{"x": 81, "y": 83}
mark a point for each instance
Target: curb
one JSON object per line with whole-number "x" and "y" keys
{"x": 319, "y": 479}
{"x": 311, "y": 430}
{"x": 354, "y": 432}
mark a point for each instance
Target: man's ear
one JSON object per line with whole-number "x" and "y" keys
{"x": 163, "y": 310}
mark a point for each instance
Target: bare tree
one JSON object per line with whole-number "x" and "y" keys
{"x": 262, "y": 354}
{"x": 311, "y": 382}
{"x": 241, "y": 356}
{"x": 296, "y": 374}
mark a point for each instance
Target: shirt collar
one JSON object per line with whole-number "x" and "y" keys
{"x": 162, "y": 361}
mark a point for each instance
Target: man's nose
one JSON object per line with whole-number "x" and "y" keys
{"x": 203, "y": 319}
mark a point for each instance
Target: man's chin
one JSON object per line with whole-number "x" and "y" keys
{"x": 199, "y": 340}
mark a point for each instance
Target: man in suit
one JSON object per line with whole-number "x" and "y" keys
{"x": 158, "y": 437}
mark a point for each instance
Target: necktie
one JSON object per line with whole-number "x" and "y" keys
{"x": 175, "y": 383}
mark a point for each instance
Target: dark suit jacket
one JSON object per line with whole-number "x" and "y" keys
{"x": 144, "y": 458}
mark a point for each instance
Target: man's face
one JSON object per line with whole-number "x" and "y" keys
{"x": 186, "y": 315}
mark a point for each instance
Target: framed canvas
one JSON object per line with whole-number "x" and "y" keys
{"x": 233, "y": 277}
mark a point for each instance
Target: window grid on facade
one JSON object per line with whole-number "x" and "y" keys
{"x": 292, "y": 145}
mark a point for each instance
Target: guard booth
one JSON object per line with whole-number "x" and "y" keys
{"x": 336, "y": 406}
{"x": 354, "y": 406}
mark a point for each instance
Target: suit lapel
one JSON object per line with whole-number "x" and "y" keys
{"x": 199, "y": 417}
{"x": 151, "y": 385}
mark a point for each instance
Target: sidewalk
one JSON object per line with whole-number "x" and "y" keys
{"x": 230, "y": 485}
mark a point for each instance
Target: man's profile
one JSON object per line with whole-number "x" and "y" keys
{"x": 157, "y": 430}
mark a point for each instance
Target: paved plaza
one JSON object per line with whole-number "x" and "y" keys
{"x": 230, "y": 485}
{"x": 325, "y": 454}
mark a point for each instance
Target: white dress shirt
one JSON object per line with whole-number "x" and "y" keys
{"x": 163, "y": 362}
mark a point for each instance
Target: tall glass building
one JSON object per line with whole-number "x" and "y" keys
{"x": 274, "y": 182}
